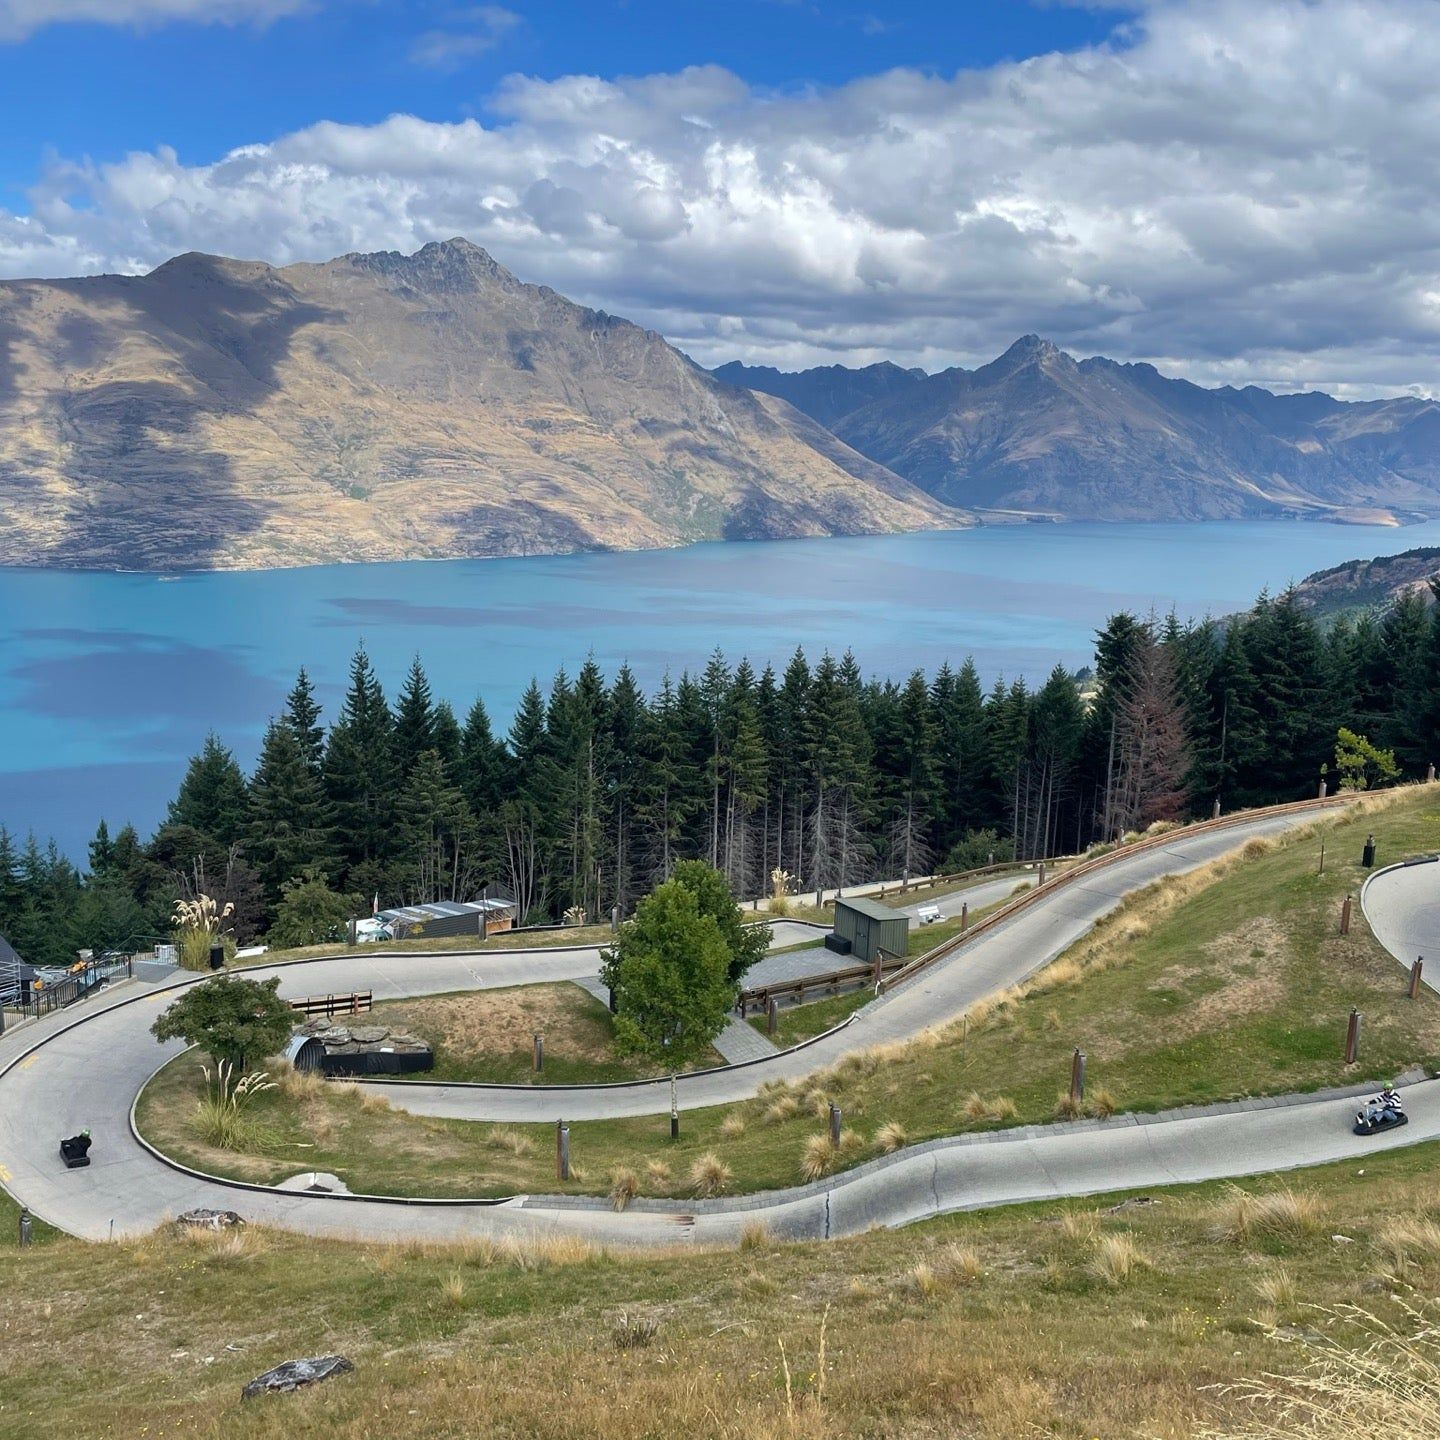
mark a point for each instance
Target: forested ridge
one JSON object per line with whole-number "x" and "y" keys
{"x": 597, "y": 789}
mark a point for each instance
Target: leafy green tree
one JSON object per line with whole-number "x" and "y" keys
{"x": 233, "y": 1020}
{"x": 746, "y": 944}
{"x": 669, "y": 973}
{"x": 311, "y": 913}
{"x": 212, "y": 796}
{"x": 108, "y": 917}
{"x": 1361, "y": 765}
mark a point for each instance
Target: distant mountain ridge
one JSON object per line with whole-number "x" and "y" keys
{"x": 222, "y": 413}
{"x": 1039, "y": 432}
{"x": 1372, "y": 584}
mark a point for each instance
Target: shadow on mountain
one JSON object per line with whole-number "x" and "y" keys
{"x": 220, "y": 331}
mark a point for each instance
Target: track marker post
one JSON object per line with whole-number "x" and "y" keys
{"x": 1415, "y": 970}
{"x": 1345, "y": 910}
{"x": 538, "y": 1058}
{"x": 674, "y": 1112}
{"x": 835, "y": 1114}
{"x": 1077, "y": 1075}
{"x": 562, "y": 1150}
{"x": 1352, "y": 1038}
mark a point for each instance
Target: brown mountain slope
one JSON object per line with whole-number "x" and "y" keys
{"x": 223, "y": 413}
{"x": 1038, "y": 431}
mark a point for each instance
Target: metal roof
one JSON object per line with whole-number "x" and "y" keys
{"x": 872, "y": 908}
{"x": 444, "y": 909}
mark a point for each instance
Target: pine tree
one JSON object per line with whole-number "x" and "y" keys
{"x": 359, "y": 781}
{"x": 624, "y": 785}
{"x": 435, "y": 831}
{"x": 289, "y": 827}
{"x": 303, "y": 711}
{"x": 212, "y": 797}
{"x": 414, "y": 731}
{"x": 1152, "y": 751}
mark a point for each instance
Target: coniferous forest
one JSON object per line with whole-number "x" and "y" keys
{"x": 596, "y": 789}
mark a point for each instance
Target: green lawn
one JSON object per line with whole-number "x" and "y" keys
{"x": 1229, "y": 982}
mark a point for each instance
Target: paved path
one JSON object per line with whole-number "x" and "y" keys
{"x": 88, "y": 1072}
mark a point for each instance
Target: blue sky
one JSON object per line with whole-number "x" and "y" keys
{"x": 1237, "y": 191}
{"x": 99, "y": 90}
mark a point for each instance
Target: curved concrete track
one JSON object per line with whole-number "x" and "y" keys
{"x": 88, "y": 1071}
{"x": 1402, "y": 904}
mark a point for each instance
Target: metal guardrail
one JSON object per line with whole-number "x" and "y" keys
{"x": 1088, "y": 867}
{"x": 355, "y": 1003}
{"x": 40, "y": 996}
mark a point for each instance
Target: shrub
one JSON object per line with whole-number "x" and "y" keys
{"x": 1117, "y": 1258}
{"x": 1282, "y": 1215}
{"x": 624, "y": 1186}
{"x": 634, "y": 1332}
{"x": 233, "y": 1020}
{"x": 221, "y": 1116}
{"x": 890, "y": 1137}
{"x": 817, "y": 1158}
{"x": 709, "y": 1175}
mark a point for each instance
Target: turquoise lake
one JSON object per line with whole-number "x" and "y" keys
{"x": 108, "y": 682}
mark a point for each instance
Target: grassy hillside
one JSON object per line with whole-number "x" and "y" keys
{"x": 1068, "y": 1320}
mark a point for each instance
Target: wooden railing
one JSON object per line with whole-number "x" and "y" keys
{"x": 355, "y": 1003}
{"x": 760, "y": 997}
{"x": 1087, "y": 867}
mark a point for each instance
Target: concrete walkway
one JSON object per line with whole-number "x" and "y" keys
{"x": 88, "y": 1072}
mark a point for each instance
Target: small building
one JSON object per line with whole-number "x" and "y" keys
{"x": 448, "y": 917}
{"x": 869, "y": 928}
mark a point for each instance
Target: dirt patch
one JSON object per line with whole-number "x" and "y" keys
{"x": 504, "y": 1022}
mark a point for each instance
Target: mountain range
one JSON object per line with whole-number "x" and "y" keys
{"x": 221, "y": 413}
{"x": 1040, "y": 433}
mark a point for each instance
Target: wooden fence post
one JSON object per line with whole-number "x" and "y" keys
{"x": 1345, "y": 916}
{"x": 1415, "y": 970}
{"x": 1352, "y": 1038}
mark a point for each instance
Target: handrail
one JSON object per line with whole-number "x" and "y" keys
{"x": 1087, "y": 867}
{"x": 762, "y": 994}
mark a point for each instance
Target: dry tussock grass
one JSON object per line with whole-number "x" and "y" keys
{"x": 755, "y": 1236}
{"x": 981, "y": 1108}
{"x": 1283, "y": 1214}
{"x": 732, "y": 1127}
{"x": 890, "y": 1137}
{"x": 1277, "y": 1289}
{"x": 818, "y": 1157}
{"x": 1365, "y": 1379}
{"x": 709, "y": 1175}
{"x": 657, "y": 1172}
{"x": 1117, "y": 1258}
{"x": 1408, "y": 1240}
{"x": 513, "y": 1142}
{"x": 785, "y": 1107}
{"x": 624, "y": 1186}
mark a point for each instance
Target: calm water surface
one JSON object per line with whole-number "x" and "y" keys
{"x": 108, "y": 682}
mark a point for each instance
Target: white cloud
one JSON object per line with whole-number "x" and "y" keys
{"x": 19, "y": 18}
{"x": 466, "y": 34}
{"x": 1237, "y": 189}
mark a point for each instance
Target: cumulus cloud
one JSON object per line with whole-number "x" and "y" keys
{"x": 19, "y": 18}
{"x": 1237, "y": 190}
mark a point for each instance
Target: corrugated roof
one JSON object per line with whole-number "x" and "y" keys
{"x": 872, "y": 908}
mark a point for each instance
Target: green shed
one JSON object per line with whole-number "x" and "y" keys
{"x": 871, "y": 928}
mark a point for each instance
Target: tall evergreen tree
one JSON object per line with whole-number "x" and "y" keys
{"x": 212, "y": 797}
{"x": 302, "y": 709}
{"x": 360, "y": 781}
{"x": 290, "y": 828}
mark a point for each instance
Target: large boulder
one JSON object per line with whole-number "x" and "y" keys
{"x": 209, "y": 1219}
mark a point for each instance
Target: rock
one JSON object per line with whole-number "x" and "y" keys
{"x": 368, "y": 1034}
{"x": 209, "y": 1219}
{"x": 334, "y": 1035}
{"x": 295, "y": 1373}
